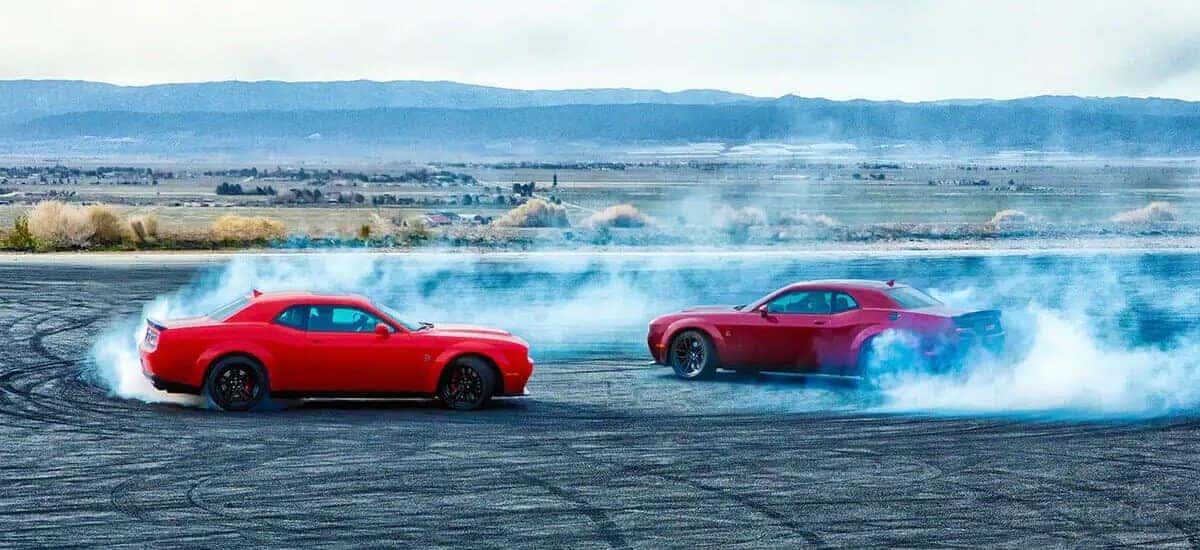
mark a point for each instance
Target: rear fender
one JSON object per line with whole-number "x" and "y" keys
{"x": 215, "y": 352}
{"x": 864, "y": 337}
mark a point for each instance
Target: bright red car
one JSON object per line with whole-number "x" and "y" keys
{"x": 817, "y": 326}
{"x": 309, "y": 345}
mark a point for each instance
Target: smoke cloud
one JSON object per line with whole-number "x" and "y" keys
{"x": 1087, "y": 335}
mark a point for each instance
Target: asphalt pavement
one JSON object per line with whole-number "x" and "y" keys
{"x": 606, "y": 452}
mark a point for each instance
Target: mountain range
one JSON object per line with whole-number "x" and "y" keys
{"x": 241, "y": 115}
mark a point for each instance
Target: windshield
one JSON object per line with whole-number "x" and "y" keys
{"x": 226, "y": 311}
{"x": 911, "y": 298}
{"x": 397, "y": 317}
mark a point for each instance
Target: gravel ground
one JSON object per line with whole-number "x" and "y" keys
{"x": 607, "y": 452}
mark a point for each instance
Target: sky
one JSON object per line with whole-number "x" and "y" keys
{"x": 916, "y": 50}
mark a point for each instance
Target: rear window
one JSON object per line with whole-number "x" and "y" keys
{"x": 911, "y": 298}
{"x": 226, "y": 311}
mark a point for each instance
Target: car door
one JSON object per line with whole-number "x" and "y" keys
{"x": 832, "y": 341}
{"x": 288, "y": 341}
{"x": 346, "y": 354}
{"x": 785, "y": 329}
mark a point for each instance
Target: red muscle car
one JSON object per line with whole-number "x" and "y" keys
{"x": 299, "y": 344}
{"x": 818, "y": 326}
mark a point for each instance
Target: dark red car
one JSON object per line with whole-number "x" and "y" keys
{"x": 309, "y": 345}
{"x": 818, "y": 326}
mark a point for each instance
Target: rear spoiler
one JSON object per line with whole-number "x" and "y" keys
{"x": 158, "y": 325}
{"x": 980, "y": 316}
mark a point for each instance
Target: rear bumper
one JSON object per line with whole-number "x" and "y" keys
{"x": 163, "y": 384}
{"x": 172, "y": 387}
{"x": 959, "y": 352}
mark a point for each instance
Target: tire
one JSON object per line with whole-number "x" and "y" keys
{"x": 692, "y": 355}
{"x": 866, "y": 354}
{"x": 467, "y": 384}
{"x": 236, "y": 383}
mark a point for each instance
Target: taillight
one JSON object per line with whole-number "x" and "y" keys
{"x": 150, "y": 340}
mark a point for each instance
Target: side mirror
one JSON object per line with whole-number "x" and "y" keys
{"x": 382, "y": 330}
{"x": 762, "y": 312}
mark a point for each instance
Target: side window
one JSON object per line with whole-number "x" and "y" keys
{"x": 294, "y": 317}
{"x": 843, "y": 302}
{"x": 340, "y": 319}
{"x": 810, "y": 302}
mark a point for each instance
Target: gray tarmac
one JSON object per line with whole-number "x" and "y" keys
{"x": 607, "y": 452}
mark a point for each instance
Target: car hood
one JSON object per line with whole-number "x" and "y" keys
{"x": 708, "y": 309}
{"x": 468, "y": 329}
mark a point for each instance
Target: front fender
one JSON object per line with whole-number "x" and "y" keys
{"x": 697, "y": 323}
{"x": 221, "y": 349}
{"x": 493, "y": 352}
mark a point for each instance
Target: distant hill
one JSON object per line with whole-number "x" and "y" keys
{"x": 339, "y": 116}
{"x": 988, "y": 125}
{"x": 27, "y": 99}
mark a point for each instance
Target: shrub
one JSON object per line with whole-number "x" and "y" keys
{"x": 105, "y": 223}
{"x": 144, "y": 228}
{"x": 58, "y": 225}
{"x": 19, "y": 238}
{"x": 232, "y": 227}
{"x": 621, "y": 215}
{"x": 734, "y": 220}
{"x": 412, "y": 232}
{"x": 1010, "y": 216}
{"x": 1155, "y": 212}
{"x": 534, "y": 213}
{"x": 821, "y": 221}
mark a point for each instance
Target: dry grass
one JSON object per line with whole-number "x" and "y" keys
{"x": 819, "y": 221}
{"x": 1010, "y": 216}
{"x": 621, "y": 215}
{"x": 534, "y": 213}
{"x": 409, "y": 232}
{"x": 232, "y": 227}
{"x": 1155, "y": 212}
{"x": 107, "y": 227}
{"x": 56, "y": 224}
{"x": 739, "y": 219}
{"x": 143, "y": 228}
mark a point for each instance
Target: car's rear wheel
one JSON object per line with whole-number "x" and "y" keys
{"x": 866, "y": 357}
{"x": 692, "y": 355}
{"x": 467, "y": 384}
{"x": 236, "y": 383}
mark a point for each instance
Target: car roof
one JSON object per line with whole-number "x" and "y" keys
{"x": 848, "y": 284}
{"x": 306, "y": 297}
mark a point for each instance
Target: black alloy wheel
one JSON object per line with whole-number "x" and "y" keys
{"x": 467, "y": 384}
{"x": 692, "y": 355}
{"x": 236, "y": 384}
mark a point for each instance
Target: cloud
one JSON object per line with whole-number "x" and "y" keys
{"x": 873, "y": 49}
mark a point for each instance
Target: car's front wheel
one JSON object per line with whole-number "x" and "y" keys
{"x": 692, "y": 355}
{"x": 236, "y": 383}
{"x": 467, "y": 384}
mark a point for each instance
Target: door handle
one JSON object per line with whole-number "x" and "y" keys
{"x": 818, "y": 322}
